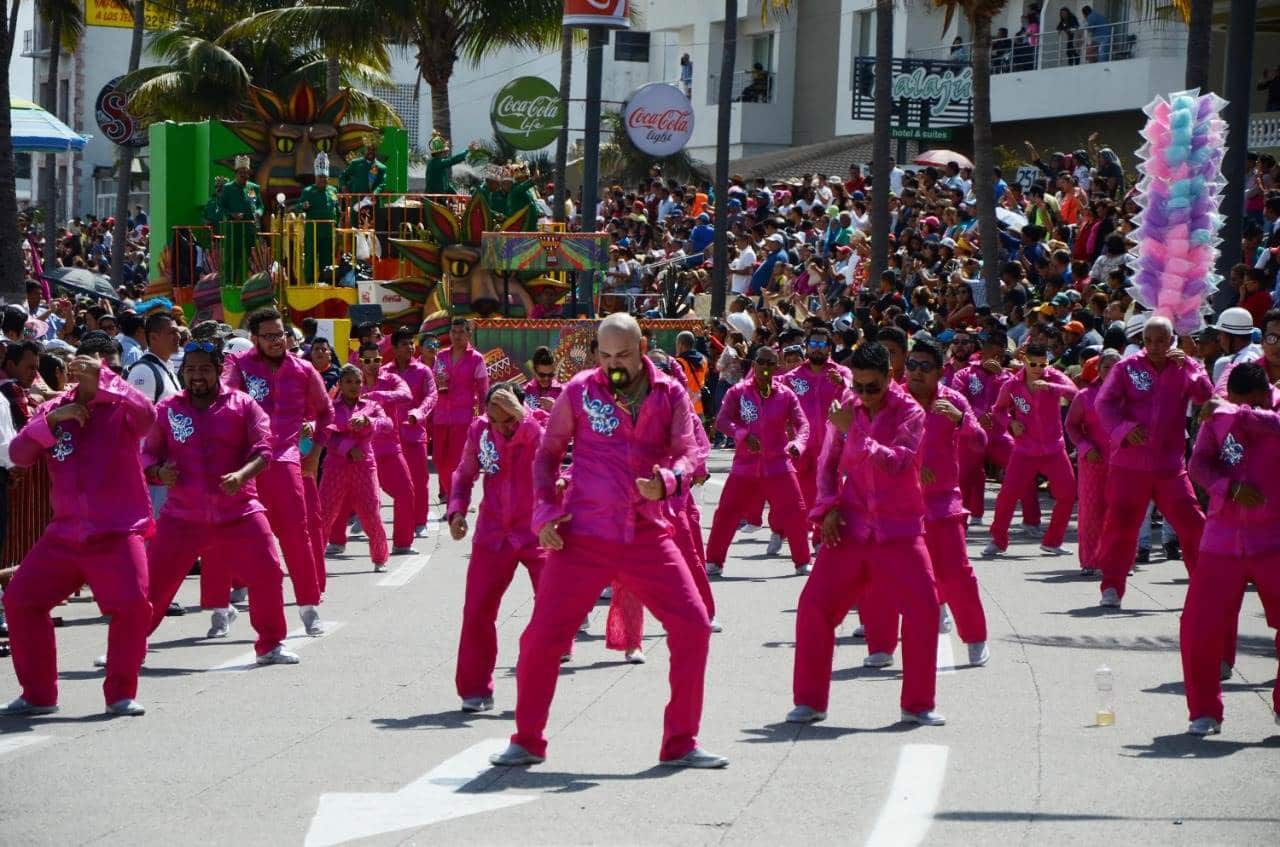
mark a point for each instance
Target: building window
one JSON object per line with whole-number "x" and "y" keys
{"x": 64, "y": 100}
{"x": 22, "y": 165}
{"x": 866, "y": 23}
{"x": 403, "y": 102}
{"x": 631, "y": 47}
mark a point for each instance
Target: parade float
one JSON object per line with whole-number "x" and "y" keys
{"x": 426, "y": 257}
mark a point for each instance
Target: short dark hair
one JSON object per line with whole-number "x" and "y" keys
{"x": 131, "y": 322}
{"x": 404, "y": 333}
{"x": 310, "y": 326}
{"x": 1036, "y": 350}
{"x": 462, "y": 322}
{"x": 14, "y": 320}
{"x": 368, "y": 345}
{"x": 32, "y": 285}
{"x": 894, "y": 335}
{"x": 1270, "y": 317}
{"x": 15, "y": 350}
{"x": 930, "y": 349}
{"x": 542, "y": 356}
{"x": 870, "y": 357}
{"x": 155, "y": 322}
{"x": 49, "y": 366}
{"x": 215, "y": 355}
{"x": 258, "y": 318}
{"x": 364, "y": 329}
{"x": 98, "y": 343}
{"x": 1248, "y": 377}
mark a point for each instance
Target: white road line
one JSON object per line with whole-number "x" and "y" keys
{"x": 13, "y": 743}
{"x": 294, "y": 641}
{"x": 404, "y": 570}
{"x": 917, "y": 784}
{"x": 946, "y": 658}
{"x": 717, "y": 481}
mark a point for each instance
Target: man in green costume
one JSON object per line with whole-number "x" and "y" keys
{"x": 520, "y": 194}
{"x": 365, "y": 175}
{"x": 213, "y": 211}
{"x": 241, "y": 202}
{"x": 494, "y": 197}
{"x": 440, "y": 165}
{"x": 319, "y": 203}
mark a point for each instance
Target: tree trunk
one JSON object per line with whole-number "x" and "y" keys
{"x": 984, "y": 160}
{"x": 332, "y": 76}
{"x": 49, "y": 182}
{"x": 720, "y": 246}
{"x": 441, "y": 120}
{"x": 124, "y": 168}
{"x": 562, "y": 143}
{"x": 12, "y": 285}
{"x": 1239, "y": 88}
{"x": 880, "y": 142}
{"x": 1199, "y": 44}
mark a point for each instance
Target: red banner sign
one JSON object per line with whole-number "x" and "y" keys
{"x": 614, "y": 14}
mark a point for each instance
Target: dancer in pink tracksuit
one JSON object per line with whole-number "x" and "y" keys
{"x": 950, "y": 428}
{"x": 350, "y": 481}
{"x": 462, "y": 381}
{"x": 1143, "y": 406}
{"x": 980, "y": 383}
{"x": 541, "y": 391}
{"x": 1092, "y": 444}
{"x": 872, "y": 511}
{"x": 766, "y": 422}
{"x": 500, "y": 448}
{"x": 292, "y": 394}
{"x": 207, "y": 445}
{"x": 393, "y": 395}
{"x": 633, "y": 447}
{"x": 88, "y": 437}
{"x": 1236, "y": 454}
{"x": 411, "y": 420}
{"x": 1030, "y": 408}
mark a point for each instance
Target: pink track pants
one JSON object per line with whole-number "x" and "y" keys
{"x": 396, "y": 483}
{"x": 415, "y": 456}
{"x": 1021, "y": 473}
{"x": 1127, "y": 498}
{"x": 739, "y": 499}
{"x": 352, "y": 487}
{"x": 488, "y": 576}
{"x": 447, "y": 441}
{"x": 1092, "y": 511}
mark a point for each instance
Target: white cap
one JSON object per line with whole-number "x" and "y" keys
{"x": 1235, "y": 321}
{"x": 777, "y": 238}
{"x": 1135, "y": 324}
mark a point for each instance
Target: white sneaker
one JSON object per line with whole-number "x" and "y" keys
{"x": 635, "y": 657}
{"x": 221, "y": 621}
{"x": 419, "y": 531}
{"x": 586, "y": 622}
{"x": 335, "y": 549}
{"x": 1036, "y": 531}
{"x": 403, "y": 551}
{"x": 279, "y": 656}
{"x": 515, "y": 756}
{"x": 748, "y": 527}
{"x": 992, "y": 551}
{"x": 878, "y": 660}
{"x": 929, "y": 718}
{"x": 944, "y": 620}
{"x": 696, "y": 758}
{"x": 20, "y": 706}
{"x": 714, "y": 570}
{"x": 1204, "y": 726}
{"x": 607, "y": 594}
{"x": 715, "y": 626}
{"x": 804, "y": 570}
{"x": 1054, "y": 551}
{"x": 127, "y": 708}
{"x": 311, "y": 620}
{"x": 477, "y": 704}
{"x": 1110, "y": 599}
{"x": 101, "y": 661}
{"x": 379, "y": 567}
{"x": 805, "y": 714}
{"x": 975, "y": 520}
{"x": 775, "y": 545}
{"x": 979, "y": 655}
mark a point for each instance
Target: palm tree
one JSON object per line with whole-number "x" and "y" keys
{"x": 66, "y": 25}
{"x": 124, "y": 160}
{"x": 880, "y": 169}
{"x": 1199, "y": 43}
{"x": 622, "y": 162}
{"x": 11, "y": 274}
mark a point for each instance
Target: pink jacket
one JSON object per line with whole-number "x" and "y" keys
{"x": 290, "y": 394}
{"x": 393, "y": 395}
{"x": 422, "y": 385}
{"x": 872, "y": 475}
{"x": 610, "y": 452}
{"x": 980, "y": 388}
{"x": 506, "y": 512}
{"x": 534, "y": 392}
{"x": 96, "y": 469}
{"x": 951, "y": 367}
{"x": 816, "y": 393}
{"x": 206, "y": 445}
{"x": 777, "y": 422}
{"x": 1039, "y": 411}
{"x": 1083, "y": 425}
{"x": 462, "y": 395}
{"x": 940, "y": 453}
{"x": 1136, "y": 393}
{"x": 1220, "y": 388}
{"x": 1239, "y": 444}
{"x": 342, "y": 438}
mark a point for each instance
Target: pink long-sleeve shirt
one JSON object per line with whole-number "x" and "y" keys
{"x": 1135, "y": 393}
{"x": 816, "y": 393}
{"x": 777, "y": 421}
{"x": 610, "y": 452}
{"x": 1220, "y": 387}
{"x": 290, "y": 394}
{"x": 1039, "y": 411}
{"x": 1239, "y": 444}
{"x": 872, "y": 474}
{"x": 940, "y": 453}
{"x": 533, "y": 392}
{"x": 342, "y": 438}
{"x": 96, "y": 469}
{"x": 980, "y": 388}
{"x": 506, "y": 466}
{"x": 393, "y": 395}
{"x": 462, "y": 393}
{"x": 422, "y": 385}
{"x": 1083, "y": 425}
{"x": 205, "y": 445}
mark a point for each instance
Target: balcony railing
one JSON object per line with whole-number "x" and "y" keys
{"x": 1264, "y": 131}
{"x": 748, "y": 87}
{"x": 1086, "y": 45}
{"x": 31, "y": 47}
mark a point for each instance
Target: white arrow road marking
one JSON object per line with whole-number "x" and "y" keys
{"x": 715, "y": 481}
{"x": 907, "y": 814}
{"x": 429, "y": 799}
{"x": 294, "y": 641}
{"x": 405, "y": 569}
{"x": 13, "y": 743}
{"x": 946, "y": 658}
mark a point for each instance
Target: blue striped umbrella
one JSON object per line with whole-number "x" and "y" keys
{"x": 37, "y": 131}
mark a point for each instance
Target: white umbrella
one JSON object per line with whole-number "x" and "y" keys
{"x": 1011, "y": 219}
{"x": 940, "y": 159}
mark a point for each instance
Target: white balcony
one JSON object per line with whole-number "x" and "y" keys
{"x": 1264, "y": 131}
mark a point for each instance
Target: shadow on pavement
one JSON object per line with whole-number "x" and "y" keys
{"x": 1045, "y": 817}
{"x": 1252, "y": 645}
{"x": 1176, "y": 687}
{"x": 1183, "y": 746}
{"x": 1096, "y": 611}
{"x": 451, "y": 719}
{"x": 555, "y": 782}
{"x": 776, "y": 733}
{"x": 1061, "y": 577}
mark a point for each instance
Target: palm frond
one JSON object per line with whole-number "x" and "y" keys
{"x": 356, "y": 30}
{"x": 70, "y": 19}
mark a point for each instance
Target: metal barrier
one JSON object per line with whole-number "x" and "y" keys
{"x": 29, "y": 512}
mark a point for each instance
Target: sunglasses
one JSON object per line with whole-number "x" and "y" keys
{"x": 199, "y": 347}
{"x": 371, "y": 360}
{"x": 815, "y": 344}
{"x": 921, "y": 365}
{"x": 867, "y": 388}
{"x": 1038, "y": 365}
{"x": 544, "y": 374}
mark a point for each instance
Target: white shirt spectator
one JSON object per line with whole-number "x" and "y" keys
{"x": 153, "y": 377}
{"x": 7, "y": 434}
{"x": 742, "y": 268}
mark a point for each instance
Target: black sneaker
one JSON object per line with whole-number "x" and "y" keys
{"x": 175, "y": 610}
{"x": 1172, "y": 551}
{"x": 1144, "y": 557}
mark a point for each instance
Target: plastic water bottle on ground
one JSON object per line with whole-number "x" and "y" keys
{"x": 1104, "y": 681}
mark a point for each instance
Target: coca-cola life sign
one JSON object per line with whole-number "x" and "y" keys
{"x": 659, "y": 119}
{"x": 528, "y": 113}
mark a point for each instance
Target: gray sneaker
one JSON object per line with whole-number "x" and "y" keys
{"x": 221, "y": 621}
{"x": 477, "y": 704}
{"x": 944, "y": 620}
{"x": 127, "y": 708}
{"x": 926, "y": 718}
{"x": 403, "y": 551}
{"x": 20, "y": 706}
{"x": 1224, "y": 670}
{"x": 696, "y": 758}
{"x": 979, "y": 655}
{"x": 239, "y": 596}
{"x": 311, "y": 620}
{"x": 515, "y": 756}
{"x": 1204, "y": 726}
{"x": 714, "y": 570}
{"x": 878, "y": 660}
{"x": 279, "y": 656}
{"x": 1110, "y": 599}
{"x": 335, "y": 549}
{"x": 804, "y": 570}
{"x": 715, "y": 626}
{"x": 775, "y": 545}
{"x": 805, "y": 714}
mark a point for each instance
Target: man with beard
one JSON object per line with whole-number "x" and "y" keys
{"x": 462, "y": 382}
{"x": 207, "y": 445}
{"x": 633, "y": 448}
{"x": 291, "y": 392}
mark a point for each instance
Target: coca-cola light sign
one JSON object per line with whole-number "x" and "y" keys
{"x": 659, "y": 119}
{"x": 528, "y": 113}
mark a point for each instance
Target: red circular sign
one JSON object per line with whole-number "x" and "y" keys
{"x": 112, "y": 112}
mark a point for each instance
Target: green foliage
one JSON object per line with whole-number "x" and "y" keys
{"x": 622, "y": 162}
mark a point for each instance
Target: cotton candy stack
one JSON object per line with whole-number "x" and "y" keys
{"x": 1180, "y": 190}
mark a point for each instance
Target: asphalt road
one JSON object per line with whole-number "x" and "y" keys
{"x": 363, "y": 743}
